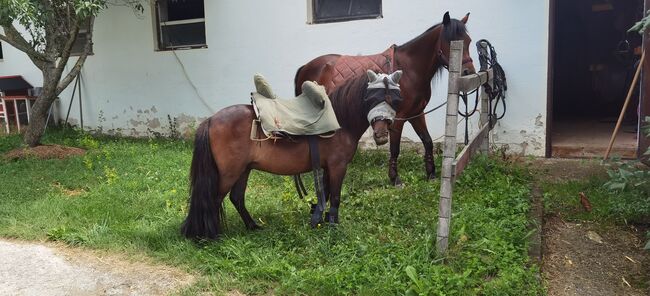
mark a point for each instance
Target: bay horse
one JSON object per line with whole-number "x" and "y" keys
{"x": 420, "y": 59}
{"x": 224, "y": 153}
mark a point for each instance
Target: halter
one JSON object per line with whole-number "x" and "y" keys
{"x": 445, "y": 60}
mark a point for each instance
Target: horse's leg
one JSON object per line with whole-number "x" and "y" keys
{"x": 326, "y": 192}
{"x": 420, "y": 126}
{"x": 335, "y": 181}
{"x": 237, "y": 197}
{"x": 395, "y": 139}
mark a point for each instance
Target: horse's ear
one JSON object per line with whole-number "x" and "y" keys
{"x": 396, "y": 76}
{"x": 446, "y": 20}
{"x": 372, "y": 76}
{"x": 464, "y": 20}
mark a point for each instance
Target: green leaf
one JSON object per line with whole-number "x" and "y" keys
{"x": 412, "y": 274}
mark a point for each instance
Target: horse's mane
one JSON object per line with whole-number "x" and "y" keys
{"x": 347, "y": 101}
{"x": 456, "y": 30}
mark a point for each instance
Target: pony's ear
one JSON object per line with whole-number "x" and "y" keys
{"x": 464, "y": 20}
{"x": 396, "y": 76}
{"x": 372, "y": 76}
{"x": 446, "y": 20}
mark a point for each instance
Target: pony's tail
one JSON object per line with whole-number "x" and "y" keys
{"x": 297, "y": 88}
{"x": 205, "y": 217}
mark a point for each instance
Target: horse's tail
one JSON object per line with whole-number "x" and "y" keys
{"x": 205, "y": 217}
{"x": 297, "y": 87}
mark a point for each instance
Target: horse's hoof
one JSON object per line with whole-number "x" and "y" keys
{"x": 254, "y": 227}
{"x": 397, "y": 182}
{"x": 327, "y": 217}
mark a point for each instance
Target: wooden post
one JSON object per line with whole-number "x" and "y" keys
{"x": 485, "y": 142}
{"x": 449, "y": 152}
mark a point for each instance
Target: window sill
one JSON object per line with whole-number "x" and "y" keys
{"x": 79, "y": 54}
{"x": 344, "y": 19}
{"x": 186, "y": 47}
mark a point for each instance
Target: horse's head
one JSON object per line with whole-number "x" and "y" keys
{"x": 452, "y": 30}
{"x": 381, "y": 101}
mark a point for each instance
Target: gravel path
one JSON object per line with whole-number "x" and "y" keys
{"x": 34, "y": 269}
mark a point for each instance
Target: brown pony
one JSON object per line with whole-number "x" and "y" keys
{"x": 420, "y": 59}
{"x": 224, "y": 153}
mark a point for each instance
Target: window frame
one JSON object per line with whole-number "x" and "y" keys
{"x": 158, "y": 40}
{"x": 1, "y": 53}
{"x": 313, "y": 19}
{"x": 82, "y": 35}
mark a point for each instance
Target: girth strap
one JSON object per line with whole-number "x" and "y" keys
{"x": 318, "y": 175}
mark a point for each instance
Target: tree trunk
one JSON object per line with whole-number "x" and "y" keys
{"x": 38, "y": 117}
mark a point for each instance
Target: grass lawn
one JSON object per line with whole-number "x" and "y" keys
{"x": 130, "y": 196}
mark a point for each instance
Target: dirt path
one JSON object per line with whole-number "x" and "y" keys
{"x": 588, "y": 258}
{"x": 36, "y": 269}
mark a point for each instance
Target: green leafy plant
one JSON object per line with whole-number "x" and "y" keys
{"x": 632, "y": 181}
{"x": 627, "y": 176}
{"x": 642, "y": 25}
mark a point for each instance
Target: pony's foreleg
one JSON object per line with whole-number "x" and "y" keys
{"x": 395, "y": 139}
{"x": 326, "y": 191}
{"x": 335, "y": 182}
{"x": 237, "y": 197}
{"x": 316, "y": 212}
{"x": 420, "y": 126}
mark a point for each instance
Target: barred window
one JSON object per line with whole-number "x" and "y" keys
{"x": 326, "y": 11}
{"x": 180, "y": 24}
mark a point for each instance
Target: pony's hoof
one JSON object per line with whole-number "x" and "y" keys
{"x": 332, "y": 220}
{"x": 316, "y": 219}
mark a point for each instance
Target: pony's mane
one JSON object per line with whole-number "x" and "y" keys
{"x": 347, "y": 101}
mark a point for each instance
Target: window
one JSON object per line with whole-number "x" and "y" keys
{"x": 82, "y": 38}
{"x": 0, "y": 51}
{"x": 180, "y": 24}
{"x": 325, "y": 11}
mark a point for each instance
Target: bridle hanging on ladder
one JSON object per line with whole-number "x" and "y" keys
{"x": 497, "y": 91}
{"x": 487, "y": 57}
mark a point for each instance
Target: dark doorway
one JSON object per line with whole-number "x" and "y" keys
{"x": 593, "y": 60}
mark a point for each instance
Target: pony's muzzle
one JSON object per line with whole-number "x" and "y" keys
{"x": 381, "y": 137}
{"x": 380, "y": 126}
{"x": 381, "y": 140}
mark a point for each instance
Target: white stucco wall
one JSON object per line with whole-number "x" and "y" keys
{"x": 135, "y": 87}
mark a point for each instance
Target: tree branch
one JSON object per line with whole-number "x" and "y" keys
{"x": 67, "y": 47}
{"x": 80, "y": 61}
{"x": 15, "y": 39}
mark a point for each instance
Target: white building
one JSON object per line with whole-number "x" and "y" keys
{"x": 132, "y": 85}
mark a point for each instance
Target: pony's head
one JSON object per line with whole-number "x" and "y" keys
{"x": 382, "y": 100}
{"x": 452, "y": 30}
